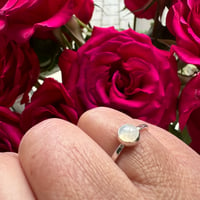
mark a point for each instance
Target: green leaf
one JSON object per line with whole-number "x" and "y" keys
{"x": 45, "y": 49}
{"x": 182, "y": 135}
{"x": 47, "y": 52}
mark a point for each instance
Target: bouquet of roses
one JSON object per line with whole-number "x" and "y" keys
{"x": 143, "y": 75}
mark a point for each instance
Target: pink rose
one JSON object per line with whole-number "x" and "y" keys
{"x": 189, "y": 109}
{"x": 49, "y": 101}
{"x": 10, "y": 133}
{"x": 20, "y": 19}
{"x": 139, "y": 8}
{"x": 122, "y": 70}
{"x": 183, "y": 22}
{"x": 19, "y": 70}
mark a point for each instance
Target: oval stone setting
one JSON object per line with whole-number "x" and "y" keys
{"x": 128, "y": 134}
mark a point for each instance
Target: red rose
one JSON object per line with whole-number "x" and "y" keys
{"x": 10, "y": 133}
{"x": 20, "y": 19}
{"x": 83, "y": 9}
{"x": 189, "y": 109}
{"x": 19, "y": 70}
{"x": 123, "y": 70}
{"x": 49, "y": 101}
{"x": 183, "y": 21}
{"x": 139, "y": 8}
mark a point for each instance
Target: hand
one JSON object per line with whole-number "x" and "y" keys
{"x": 58, "y": 160}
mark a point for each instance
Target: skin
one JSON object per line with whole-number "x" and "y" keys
{"x": 58, "y": 160}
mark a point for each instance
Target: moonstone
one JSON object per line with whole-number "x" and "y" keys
{"x": 128, "y": 134}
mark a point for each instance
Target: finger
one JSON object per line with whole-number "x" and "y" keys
{"x": 13, "y": 184}
{"x": 93, "y": 121}
{"x": 167, "y": 139}
{"x": 62, "y": 162}
{"x": 145, "y": 163}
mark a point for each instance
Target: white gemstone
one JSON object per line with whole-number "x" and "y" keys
{"x": 128, "y": 134}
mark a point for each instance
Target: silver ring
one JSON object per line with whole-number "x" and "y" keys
{"x": 128, "y": 135}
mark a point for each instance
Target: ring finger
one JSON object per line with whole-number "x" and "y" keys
{"x": 148, "y": 163}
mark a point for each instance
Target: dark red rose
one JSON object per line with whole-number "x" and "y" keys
{"x": 51, "y": 100}
{"x": 142, "y": 8}
{"x": 83, "y": 9}
{"x": 189, "y": 109}
{"x": 10, "y": 132}
{"x": 19, "y": 70}
{"x": 20, "y": 19}
{"x": 148, "y": 8}
{"x": 183, "y": 21}
{"x": 122, "y": 70}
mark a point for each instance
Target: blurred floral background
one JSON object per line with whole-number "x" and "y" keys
{"x": 61, "y": 58}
